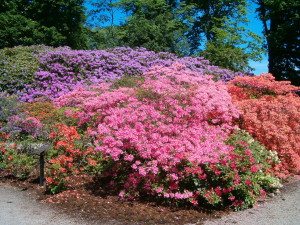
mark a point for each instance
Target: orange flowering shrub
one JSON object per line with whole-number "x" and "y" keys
{"x": 264, "y": 84}
{"x": 237, "y": 93}
{"x": 43, "y": 111}
{"x": 270, "y": 112}
{"x": 275, "y": 122}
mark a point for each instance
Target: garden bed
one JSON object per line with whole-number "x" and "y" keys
{"x": 167, "y": 146}
{"x": 89, "y": 202}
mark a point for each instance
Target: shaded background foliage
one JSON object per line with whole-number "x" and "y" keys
{"x": 281, "y": 20}
{"x": 214, "y": 29}
{"x": 53, "y": 23}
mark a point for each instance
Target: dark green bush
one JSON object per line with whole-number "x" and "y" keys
{"x": 8, "y": 106}
{"x": 18, "y": 65}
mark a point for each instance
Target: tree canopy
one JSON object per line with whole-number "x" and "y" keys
{"x": 47, "y": 22}
{"x": 214, "y": 29}
{"x": 219, "y": 30}
{"x": 156, "y": 25}
{"x": 281, "y": 20}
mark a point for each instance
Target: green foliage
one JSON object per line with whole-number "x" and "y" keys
{"x": 103, "y": 38}
{"x": 155, "y": 25}
{"x": 19, "y": 30}
{"x": 229, "y": 48}
{"x": 53, "y": 23}
{"x": 17, "y": 162}
{"x": 221, "y": 25}
{"x": 281, "y": 20}
{"x": 8, "y": 106}
{"x": 18, "y": 65}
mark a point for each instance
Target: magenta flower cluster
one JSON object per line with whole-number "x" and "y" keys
{"x": 64, "y": 69}
{"x": 30, "y": 125}
{"x": 155, "y": 132}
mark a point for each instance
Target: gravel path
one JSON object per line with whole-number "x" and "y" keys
{"x": 19, "y": 208}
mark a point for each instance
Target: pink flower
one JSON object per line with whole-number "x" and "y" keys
{"x": 248, "y": 182}
{"x": 129, "y": 158}
{"x": 231, "y": 198}
{"x": 248, "y": 152}
{"x": 68, "y": 113}
{"x": 254, "y": 169}
{"x": 122, "y": 194}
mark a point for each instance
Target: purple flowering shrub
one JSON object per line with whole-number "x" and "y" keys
{"x": 63, "y": 70}
{"x": 166, "y": 138}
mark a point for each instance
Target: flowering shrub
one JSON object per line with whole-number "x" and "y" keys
{"x": 71, "y": 155}
{"x": 271, "y": 116}
{"x": 166, "y": 136}
{"x": 63, "y": 70}
{"x": 13, "y": 161}
{"x": 275, "y": 122}
{"x": 62, "y": 164}
{"x": 264, "y": 84}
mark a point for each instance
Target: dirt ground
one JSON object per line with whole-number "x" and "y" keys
{"x": 95, "y": 203}
{"x": 89, "y": 201}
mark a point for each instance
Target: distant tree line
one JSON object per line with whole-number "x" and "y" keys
{"x": 281, "y": 20}
{"x": 214, "y": 29}
{"x": 53, "y": 23}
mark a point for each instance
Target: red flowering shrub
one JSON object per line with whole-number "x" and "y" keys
{"x": 62, "y": 160}
{"x": 71, "y": 155}
{"x": 272, "y": 117}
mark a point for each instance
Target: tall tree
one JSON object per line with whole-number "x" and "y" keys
{"x": 157, "y": 25}
{"x": 103, "y": 30}
{"x": 281, "y": 20}
{"x": 48, "y": 22}
{"x": 219, "y": 33}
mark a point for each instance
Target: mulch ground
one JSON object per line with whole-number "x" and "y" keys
{"x": 90, "y": 201}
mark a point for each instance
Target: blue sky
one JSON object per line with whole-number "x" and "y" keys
{"x": 254, "y": 25}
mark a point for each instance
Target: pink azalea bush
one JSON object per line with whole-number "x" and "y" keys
{"x": 167, "y": 137}
{"x": 173, "y": 109}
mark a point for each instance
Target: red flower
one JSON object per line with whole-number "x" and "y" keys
{"x": 254, "y": 169}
